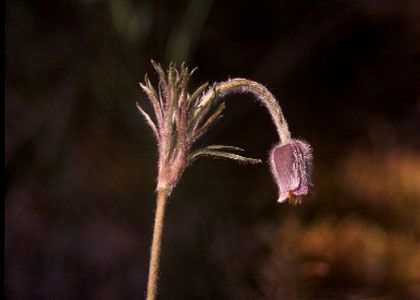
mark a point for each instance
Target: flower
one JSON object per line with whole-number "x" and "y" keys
{"x": 181, "y": 118}
{"x": 291, "y": 167}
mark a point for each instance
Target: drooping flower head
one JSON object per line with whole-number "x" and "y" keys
{"x": 181, "y": 118}
{"x": 291, "y": 167}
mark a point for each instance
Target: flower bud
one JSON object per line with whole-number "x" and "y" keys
{"x": 291, "y": 167}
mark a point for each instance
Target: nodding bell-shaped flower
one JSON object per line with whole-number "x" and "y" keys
{"x": 181, "y": 118}
{"x": 291, "y": 167}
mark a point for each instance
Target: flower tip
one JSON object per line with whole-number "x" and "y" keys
{"x": 283, "y": 196}
{"x": 281, "y": 199}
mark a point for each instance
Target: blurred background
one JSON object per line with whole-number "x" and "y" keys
{"x": 80, "y": 163}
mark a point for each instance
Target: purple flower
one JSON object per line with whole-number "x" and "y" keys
{"x": 291, "y": 167}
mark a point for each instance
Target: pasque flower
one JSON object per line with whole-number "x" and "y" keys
{"x": 180, "y": 118}
{"x": 291, "y": 167}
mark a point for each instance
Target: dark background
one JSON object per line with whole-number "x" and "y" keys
{"x": 80, "y": 162}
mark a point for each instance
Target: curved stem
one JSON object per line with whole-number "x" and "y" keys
{"x": 162, "y": 196}
{"x": 263, "y": 95}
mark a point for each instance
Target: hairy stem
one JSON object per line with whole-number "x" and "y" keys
{"x": 161, "y": 200}
{"x": 241, "y": 85}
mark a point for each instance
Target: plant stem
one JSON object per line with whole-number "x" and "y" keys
{"x": 264, "y": 96}
{"x": 242, "y": 85}
{"x": 162, "y": 196}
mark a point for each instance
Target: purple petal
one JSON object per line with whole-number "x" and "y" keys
{"x": 303, "y": 160}
{"x": 290, "y": 165}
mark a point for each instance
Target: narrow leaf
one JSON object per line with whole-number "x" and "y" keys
{"x": 199, "y": 131}
{"x": 193, "y": 71}
{"x": 206, "y": 99}
{"x": 162, "y": 85}
{"x": 223, "y": 155}
{"x": 224, "y": 147}
{"x": 155, "y": 103}
{"x": 152, "y": 89}
{"x": 184, "y": 84}
{"x": 158, "y": 68}
{"x": 203, "y": 106}
{"x": 197, "y": 93}
{"x": 149, "y": 121}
